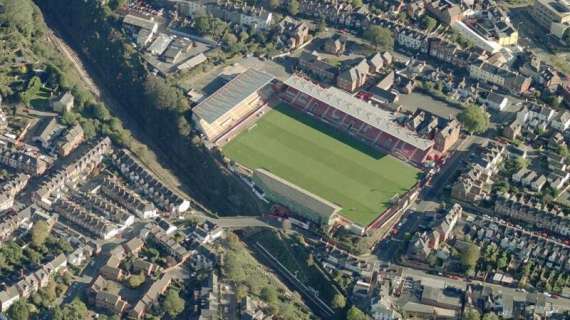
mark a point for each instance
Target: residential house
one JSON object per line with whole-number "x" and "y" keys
{"x": 86, "y": 219}
{"x": 445, "y": 227}
{"x": 531, "y": 210}
{"x": 8, "y": 297}
{"x": 158, "y": 288}
{"x": 316, "y": 66}
{"x": 111, "y": 270}
{"x": 255, "y": 17}
{"x": 445, "y": 11}
{"x": 335, "y": 45}
{"x": 85, "y": 161}
{"x": 133, "y": 246}
{"x": 47, "y": 130}
{"x": 168, "y": 244}
{"x": 145, "y": 182}
{"x": 113, "y": 189}
{"x": 63, "y": 103}
{"x": 9, "y": 190}
{"x": 494, "y": 101}
{"x": 293, "y": 34}
{"x": 504, "y": 78}
{"x": 22, "y": 160}
{"x": 354, "y": 77}
{"x": 70, "y": 140}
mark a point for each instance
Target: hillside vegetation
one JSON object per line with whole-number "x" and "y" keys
{"x": 156, "y": 105}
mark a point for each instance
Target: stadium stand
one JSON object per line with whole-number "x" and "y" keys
{"x": 232, "y": 103}
{"x": 309, "y": 205}
{"x": 344, "y": 111}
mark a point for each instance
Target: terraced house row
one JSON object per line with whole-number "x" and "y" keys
{"x": 146, "y": 183}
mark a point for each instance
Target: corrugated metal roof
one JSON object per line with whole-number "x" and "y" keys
{"x": 231, "y": 94}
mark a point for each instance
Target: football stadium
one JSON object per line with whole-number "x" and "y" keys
{"x": 323, "y": 153}
{"x": 353, "y": 180}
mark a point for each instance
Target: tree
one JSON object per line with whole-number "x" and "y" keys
{"x": 33, "y": 255}
{"x": 99, "y": 111}
{"x": 269, "y": 295}
{"x": 470, "y": 256}
{"x": 428, "y": 23}
{"x": 502, "y": 262}
{"x": 19, "y": 311}
{"x": 76, "y": 310}
{"x": 70, "y": 118}
{"x": 233, "y": 268}
{"x": 202, "y": 24}
{"x": 490, "y": 316}
{"x": 136, "y": 280}
{"x": 293, "y": 7}
{"x": 357, "y": 3}
{"x": 338, "y": 301}
{"x": 12, "y": 252}
{"x": 472, "y": 315}
{"x": 380, "y": 37}
{"x": 173, "y": 304}
{"x": 274, "y": 4}
{"x": 159, "y": 93}
{"x": 40, "y": 232}
{"x": 474, "y": 119}
{"x": 230, "y": 39}
{"x": 116, "y": 4}
{"x": 355, "y": 314}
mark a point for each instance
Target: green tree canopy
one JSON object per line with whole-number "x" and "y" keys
{"x": 472, "y": 314}
{"x": 470, "y": 256}
{"x": 76, "y": 310}
{"x": 474, "y": 119}
{"x": 136, "y": 280}
{"x": 428, "y": 23}
{"x": 19, "y": 311}
{"x": 40, "y": 232}
{"x": 159, "y": 93}
{"x": 173, "y": 304}
{"x": 19, "y": 15}
{"x": 116, "y": 4}
{"x": 357, "y": 3}
{"x": 293, "y": 7}
{"x": 490, "y": 316}
{"x": 269, "y": 295}
{"x": 338, "y": 301}
{"x": 274, "y": 4}
{"x": 380, "y": 37}
{"x": 355, "y": 314}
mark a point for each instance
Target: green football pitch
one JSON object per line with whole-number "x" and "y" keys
{"x": 324, "y": 161}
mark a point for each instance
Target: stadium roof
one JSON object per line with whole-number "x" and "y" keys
{"x": 373, "y": 116}
{"x": 231, "y": 94}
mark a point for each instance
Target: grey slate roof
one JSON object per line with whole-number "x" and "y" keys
{"x": 231, "y": 94}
